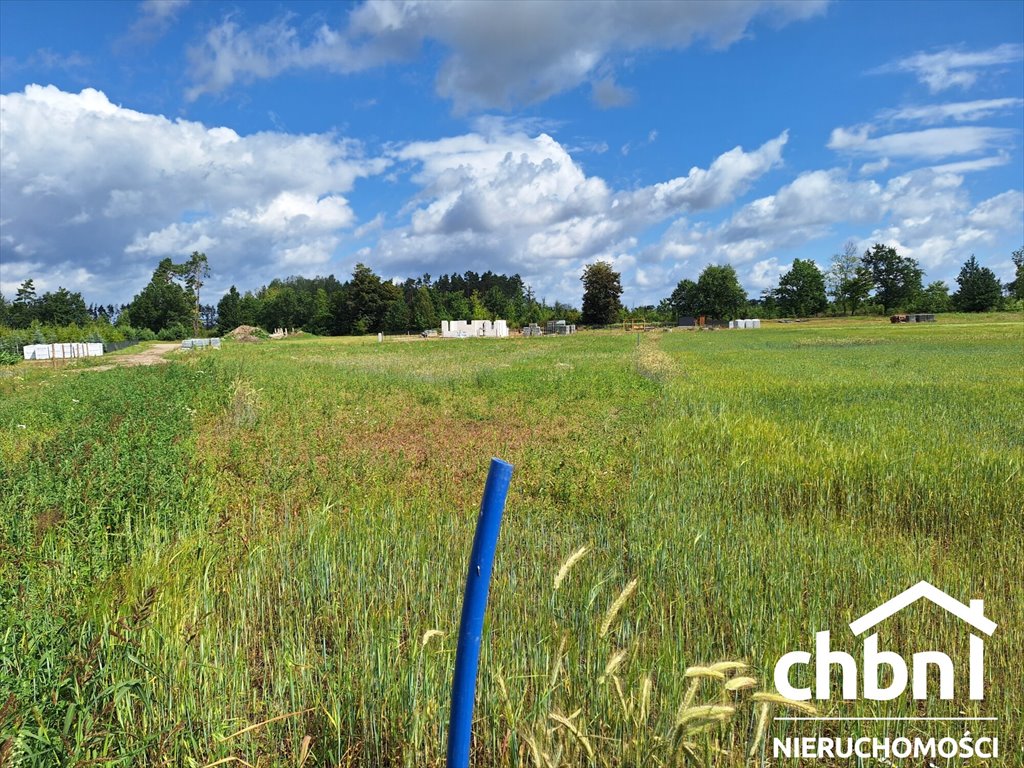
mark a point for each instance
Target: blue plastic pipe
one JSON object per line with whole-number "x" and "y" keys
{"x": 474, "y": 605}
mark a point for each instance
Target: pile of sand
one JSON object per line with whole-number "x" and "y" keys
{"x": 246, "y": 333}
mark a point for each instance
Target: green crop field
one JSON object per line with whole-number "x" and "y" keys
{"x": 256, "y": 555}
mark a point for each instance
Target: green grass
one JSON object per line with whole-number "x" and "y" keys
{"x": 273, "y": 529}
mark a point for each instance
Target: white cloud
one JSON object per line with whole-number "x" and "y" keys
{"x": 1004, "y": 211}
{"x": 926, "y": 215}
{"x": 96, "y": 193}
{"x": 970, "y": 166}
{"x": 874, "y": 167}
{"x": 929, "y": 144}
{"x": 499, "y": 53}
{"x": 961, "y": 111}
{"x": 91, "y": 185}
{"x": 953, "y": 67}
{"x": 520, "y": 204}
{"x": 154, "y": 19}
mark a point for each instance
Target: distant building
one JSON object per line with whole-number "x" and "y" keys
{"x": 469, "y": 329}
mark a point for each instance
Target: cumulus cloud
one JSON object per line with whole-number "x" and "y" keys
{"x": 498, "y": 53}
{"x": 953, "y": 67}
{"x": 512, "y": 202}
{"x": 94, "y": 194}
{"x": 926, "y": 215}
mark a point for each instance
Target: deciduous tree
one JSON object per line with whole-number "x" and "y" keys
{"x": 162, "y": 303}
{"x": 602, "y": 287}
{"x": 719, "y": 293}
{"x": 934, "y": 298}
{"x": 1015, "y": 288}
{"x": 848, "y": 281}
{"x": 683, "y": 301}
{"x": 896, "y": 279}
{"x": 801, "y": 291}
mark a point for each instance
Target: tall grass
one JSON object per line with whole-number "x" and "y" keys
{"x": 281, "y": 580}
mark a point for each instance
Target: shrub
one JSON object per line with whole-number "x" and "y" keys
{"x": 174, "y": 332}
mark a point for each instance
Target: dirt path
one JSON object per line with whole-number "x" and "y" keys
{"x": 153, "y": 355}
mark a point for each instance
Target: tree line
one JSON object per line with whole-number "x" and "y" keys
{"x": 878, "y": 281}
{"x": 169, "y": 305}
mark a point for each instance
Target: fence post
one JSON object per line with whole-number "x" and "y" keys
{"x": 474, "y": 605}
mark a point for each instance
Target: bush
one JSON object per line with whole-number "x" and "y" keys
{"x": 9, "y": 357}
{"x": 174, "y": 332}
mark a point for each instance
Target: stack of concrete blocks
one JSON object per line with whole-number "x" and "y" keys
{"x": 532, "y": 330}
{"x": 62, "y": 351}
{"x": 745, "y": 323}
{"x": 560, "y": 328}
{"x": 467, "y": 329}
{"x": 196, "y": 343}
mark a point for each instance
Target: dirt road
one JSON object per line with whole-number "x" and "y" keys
{"x": 153, "y": 355}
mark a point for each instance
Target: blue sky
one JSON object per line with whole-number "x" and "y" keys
{"x": 301, "y": 138}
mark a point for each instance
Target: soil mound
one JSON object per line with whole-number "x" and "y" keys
{"x": 247, "y": 333}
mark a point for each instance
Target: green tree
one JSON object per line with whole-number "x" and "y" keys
{"x": 62, "y": 307}
{"x": 979, "y": 290}
{"x": 602, "y": 287}
{"x": 423, "y": 314}
{"x": 496, "y": 303}
{"x": 456, "y": 307}
{"x": 934, "y": 298}
{"x": 279, "y": 307}
{"x": 719, "y": 293}
{"x": 248, "y": 309}
{"x": 162, "y": 303}
{"x": 683, "y": 301}
{"x": 896, "y": 279}
{"x": 766, "y": 305}
{"x": 229, "y": 315}
{"x": 1015, "y": 288}
{"x": 848, "y": 281}
{"x": 477, "y": 309}
{"x": 396, "y": 316}
{"x": 321, "y": 322}
{"x": 194, "y": 272}
{"x": 365, "y": 301}
{"x": 23, "y": 309}
{"x": 801, "y": 291}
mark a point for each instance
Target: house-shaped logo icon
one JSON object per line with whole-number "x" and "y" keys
{"x": 874, "y": 660}
{"x": 973, "y": 615}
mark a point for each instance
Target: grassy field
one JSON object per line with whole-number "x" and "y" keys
{"x": 275, "y": 535}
